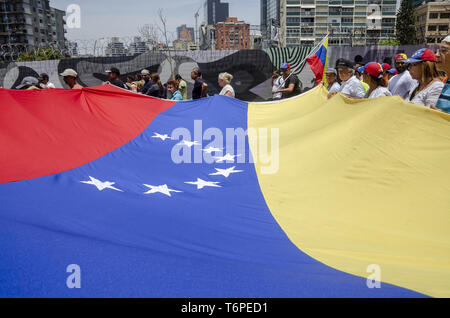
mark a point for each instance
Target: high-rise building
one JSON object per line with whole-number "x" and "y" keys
{"x": 215, "y": 11}
{"x": 185, "y": 34}
{"x": 28, "y": 24}
{"x": 115, "y": 48}
{"x": 270, "y": 22}
{"x": 137, "y": 46}
{"x": 348, "y": 22}
{"x": 233, "y": 35}
{"x": 432, "y": 22}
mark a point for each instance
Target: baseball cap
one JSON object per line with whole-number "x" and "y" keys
{"x": 375, "y": 69}
{"x": 344, "y": 64}
{"x": 386, "y": 66}
{"x": 28, "y": 81}
{"x": 42, "y": 76}
{"x": 422, "y": 55}
{"x": 446, "y": 39}
{"x": 145, "y": 72}
{"x": 331, "y": 70}
{"x": 285, "y": 66}
{"x": 113, "y": 70}
{"x": 401, "y": 56}
{"x": 69, "y": 72}
{"x": 393, "y": 71}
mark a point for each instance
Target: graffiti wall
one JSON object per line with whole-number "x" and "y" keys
{"x": 252, "y": 69}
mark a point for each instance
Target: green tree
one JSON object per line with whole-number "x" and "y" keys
{"x": 39, "y": 55}
{"x": 390, "y": 42}
{"x": 405, "y": 27}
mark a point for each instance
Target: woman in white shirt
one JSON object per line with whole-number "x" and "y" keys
{"x": 224, "y": 82}
{"x": 422, "y": 66}
{"x": 373, "y": 76}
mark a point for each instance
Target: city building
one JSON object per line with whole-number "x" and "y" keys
{"x": 207, "y": 37}
{"x": 137, "y": 46}
{"x": 185, "y": 34}
{"x": 270, "y": 23}
{"x": 28, "y": 24}
{"x": 432, "y": 22}
{"x": 115, "y": 48}
{"x": 215, "y": 11}
{"x": 72, "y": 49}
{"x": 233, "y": 35}
{"x": 348, "y": 22}
{"x": 182, "y": 45}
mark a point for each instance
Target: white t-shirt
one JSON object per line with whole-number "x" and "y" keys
{"x": 335, "y": 87}
{"x": 353, "y": 88}
{"x": 48, "y": 85}
{"x": 428, "y": 96}
{"x": 277, "y": 84}
{"x": 402, "y": 84}
{"x": 379, "y": 92}
{"x": 227, "y": 88}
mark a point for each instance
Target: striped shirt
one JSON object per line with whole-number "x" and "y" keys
{"x": 444, "y": 100}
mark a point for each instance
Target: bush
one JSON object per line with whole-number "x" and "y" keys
{"x": 39, "y": 55}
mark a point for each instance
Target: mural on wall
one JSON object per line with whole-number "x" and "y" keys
{"x": 252, "y": 69}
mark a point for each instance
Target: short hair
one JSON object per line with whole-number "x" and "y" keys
{"x": 197, "y": 71}
{"x": 177, "y": 77}
{"x": 226, "y": 77}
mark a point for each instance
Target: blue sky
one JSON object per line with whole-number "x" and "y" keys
{"x": 107, "y": 18}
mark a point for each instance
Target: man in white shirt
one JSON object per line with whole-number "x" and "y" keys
{"x": 402, "y": 83}
{"x": 332, "y": 84}
{"x": 350, "y": 86}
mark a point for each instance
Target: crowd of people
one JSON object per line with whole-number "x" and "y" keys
{"x": 421, "y": 79}
{"x": 418, "y": 79}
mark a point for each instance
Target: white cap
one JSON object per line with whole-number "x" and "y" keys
{"x": 145, "y": 72}
{"x": 447, "y": 39}
{"x": 69, "y": 72}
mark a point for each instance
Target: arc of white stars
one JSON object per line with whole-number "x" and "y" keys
{"x": 189, "y": 143}
{"x": 162, "y": 137}
{"x": 202, "y": 184}
{"x": 225, "y": 172}
{"x": 101, "y": 185}
{"x": 164, "y": 189}
{"x": 227, "y": 157}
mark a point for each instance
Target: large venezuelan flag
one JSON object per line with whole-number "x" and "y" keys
{"x": 88, "y": 178}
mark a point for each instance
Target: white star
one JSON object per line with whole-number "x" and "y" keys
{"x": 202, "y": 183}
{"x": 227, "y": 157}
{"x": 189, "y": 143}
{"x": 225, "y": 172}
{"x": 162, "y": 137}
{"x": 164, "y": 189}
{"x": 210, "y": 150}
{"x": 101, "y": 185}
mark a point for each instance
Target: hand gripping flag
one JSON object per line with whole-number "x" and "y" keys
{"x": 91, "y": 182}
